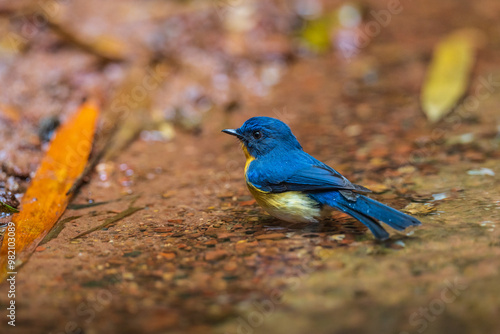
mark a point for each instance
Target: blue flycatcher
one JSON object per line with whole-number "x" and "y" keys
{"x": 293, "y": 186}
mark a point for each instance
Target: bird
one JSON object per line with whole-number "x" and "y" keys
{"x": 295, "y": 187}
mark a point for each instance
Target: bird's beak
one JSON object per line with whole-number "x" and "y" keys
{"x": 232, "y": 132}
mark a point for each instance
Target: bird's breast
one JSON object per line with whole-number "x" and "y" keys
{"x": 290, "y": 206}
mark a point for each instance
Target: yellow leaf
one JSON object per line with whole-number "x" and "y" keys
{"x": 448, "y": 74}
{"x": 316, "y": 35}
{"x": 46, "y": 198}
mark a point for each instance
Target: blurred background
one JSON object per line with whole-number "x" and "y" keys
{"x": 399, "y": 96}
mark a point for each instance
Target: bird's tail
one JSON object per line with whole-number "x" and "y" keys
{"x": 369, "y": 212}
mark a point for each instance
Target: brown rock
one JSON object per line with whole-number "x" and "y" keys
{"x": 248, "y": 203}
{"x": 224, "y": 235}
{"x": 215, "y": 255}
{"x": 270, "y": 236}
{"x": 474, "y": 156}
{"x": 168, "y": 194}
{"x": 163, "y": 229}
{"x": 168, "y": 256}
{"x": 231, "y": 266}
{"x": 211, "y": 242}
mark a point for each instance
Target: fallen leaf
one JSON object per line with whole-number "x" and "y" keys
{"x": 168, "y": 194}
{"x": 46, "y": 198}
{"x": 106, "y": 47}
{"x": 419, "y": 208}
{"x": 449, "y": 73}
{"x": 378, "y": 188}
{"x": 316, "y": 33}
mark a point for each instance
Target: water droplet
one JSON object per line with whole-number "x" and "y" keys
{"x": 440, "y": 196}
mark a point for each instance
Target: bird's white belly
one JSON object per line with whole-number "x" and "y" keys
{"x": 290, "y": 206}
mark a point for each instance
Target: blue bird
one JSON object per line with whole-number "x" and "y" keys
{"x": 293, "y": 186}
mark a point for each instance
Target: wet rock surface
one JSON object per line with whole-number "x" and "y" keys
{"x": 202, "y": 256}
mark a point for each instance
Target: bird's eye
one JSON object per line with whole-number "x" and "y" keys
{"x": 257, "y": 134}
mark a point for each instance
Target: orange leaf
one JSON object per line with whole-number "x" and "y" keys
{"x": 46, "y": 198}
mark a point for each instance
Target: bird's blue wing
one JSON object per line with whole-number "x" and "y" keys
{"x": 299, "y": 172}
{"x": 316, "y": 178}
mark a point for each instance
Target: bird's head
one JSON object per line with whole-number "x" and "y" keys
{"x": 261, "y": 135}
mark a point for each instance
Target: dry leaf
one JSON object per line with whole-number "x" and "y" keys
{"x": 449, "y": 73}
{"x": 105, "y": 46}
{"x": 419, "y": 208}
{"x": 378, "y": 188}
{"x": 46, "y": 198}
